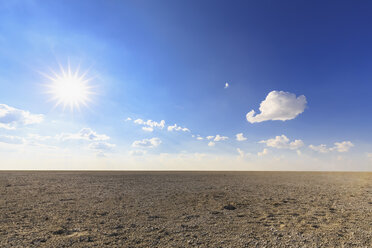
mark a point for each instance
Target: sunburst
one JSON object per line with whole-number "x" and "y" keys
{"x": 70, "y": 89}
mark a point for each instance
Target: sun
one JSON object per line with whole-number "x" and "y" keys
{"x": 70, "y": 89}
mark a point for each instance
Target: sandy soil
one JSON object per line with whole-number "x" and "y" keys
{"x": 184, "y": 209}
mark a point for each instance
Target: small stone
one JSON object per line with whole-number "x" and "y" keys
{"x": 229, "y": 207}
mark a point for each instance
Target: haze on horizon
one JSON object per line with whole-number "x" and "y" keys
{"x": 185, "y": 85}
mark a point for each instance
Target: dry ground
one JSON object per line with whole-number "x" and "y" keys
{"x": 185, "y": 209}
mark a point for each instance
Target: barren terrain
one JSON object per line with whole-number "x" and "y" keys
{"x": 185, "y": 209}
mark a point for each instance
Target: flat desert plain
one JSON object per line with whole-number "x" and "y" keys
{"x": 185, "y": 209}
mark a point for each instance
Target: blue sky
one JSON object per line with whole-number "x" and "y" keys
{"x": 170, "y": 60}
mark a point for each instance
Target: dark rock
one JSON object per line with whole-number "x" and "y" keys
{"x": 59, "y": 232}
{"x": 229, "y": 207}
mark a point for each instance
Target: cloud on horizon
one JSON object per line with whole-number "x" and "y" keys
{"x": 341, "y": 147}
{"x": 101, "y": 146}
{"x": 264, "y": 152}
{"x": 137, "y": 152}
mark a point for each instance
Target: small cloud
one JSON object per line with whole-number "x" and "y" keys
{"x": 241, "y": 153}
{"x": 282, "y": 142}
{"x": 137, "y": 152}
{"x": 199, "y": 138}
{"x": 263, "y": 153}
{"x": 177, "y": 128}
{"x": 226, "y": 85}
{"x": 10, "y": 117}
{"x": 342, "y": 146}
{"x": 148, "y": 129}
{"x": 219, "y": 138}
{"x": 101, "y": 146}
{"x": 369, "y": 155}
{"x": 128, "y": 119}
{"x": 278, "y": 105}
{"x": 147, "y": 143}
{"x": 320, "y": 148}
{"x": 211, "y": 143}
{"x": 150, "y": 123}
{"x": 214, "y": 139}
{"x": 240, "y": 137}
{"x": 101, "y": 154}
{"x": 83, "y": 134}
{"x": 338, "y": 146}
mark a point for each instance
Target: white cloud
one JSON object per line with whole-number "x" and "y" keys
{"x": 11, "y": 140}
{"x": 101, "y": 146}
{"x": 148, "y": 129}
{"x": 241, "y": 153}
{"x": 83, "y": 134}
{"x": 147, "y": 143}
{"x": 139, "y": 121}
{"x": 282, "y": 142}
{"x": 137, "y": 152}
{"x": 11, "y": 117}
{"x": 226, "y": 85}
{"x": 263, "y": 153}
{"x": 320, "y": 148}
{"x": 240, "y": 137}
{"x": 278, "y": 105}
{"x": 128, "y": 119}
{"x": 369, "y": 155}
{"x": 219, "y": 138}
{"x": 214, "y": 139}
{"x": 211, "y": 143}
{"x": 199, "y": 138}
{"x": 150, "y": 123}
{"x": 178, "y": 128}
{"x": 343, "y": 146}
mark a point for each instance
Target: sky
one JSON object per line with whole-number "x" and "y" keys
{"x": 185, "y": 85}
